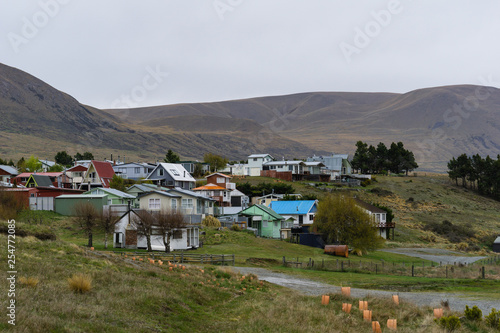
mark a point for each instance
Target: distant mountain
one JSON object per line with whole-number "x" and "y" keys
{"x": 436, "y": 123}
{"x": 41, "y": 120}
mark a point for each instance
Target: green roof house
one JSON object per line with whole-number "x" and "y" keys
{"x": 115, "y": 197}
{"x": 65, "y": 204}
{"x": 267, "y": 222}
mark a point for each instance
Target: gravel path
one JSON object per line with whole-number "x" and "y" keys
{"x": 437, "y": 255}
{"x": 313, "y": 288}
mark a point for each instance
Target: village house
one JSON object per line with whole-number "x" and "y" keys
{"x": 76, "y": 174}
{"x": 57, "y": 179}
{"x": 218, "y": 193}
{"x": 299, "y": 211}
{"x": 265, "y": 221}
{"x": 7, "y": 173}
{"x": 379, "y": 216}
{"x": 99, "y": 174}
{"x": 172, "y": 175}
{"x": 336, "y": 165}
{"x": 115, "y": 197}
{"x": 135, "y": 171}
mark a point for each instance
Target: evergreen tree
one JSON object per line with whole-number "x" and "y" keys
{"x": 171, "y": 157}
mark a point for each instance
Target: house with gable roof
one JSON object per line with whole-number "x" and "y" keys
{"x": 302, "y": 212}
{"x": 133, "y": 170}
{"x": 379, "y": 217}
{"x": 98, "y": 174}
{"x": 76, "y": 174}
{"x": 115, "y": 197}
{"x": 267, "y": 222}
{"x": 7, "y": 173}
{"x": 172, "y": 175}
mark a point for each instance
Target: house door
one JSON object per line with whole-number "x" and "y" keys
{"x": 301, "y": 219}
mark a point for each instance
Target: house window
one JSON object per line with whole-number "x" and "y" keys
{"x": 177, "y": 234}
{"x": 187, "y": 203}
{"x": 174, "y": 172}
{"x": 174, "y": 204}
{"x": 264, "y": 224}
{"x": 160, "y": 172}
{"x": 137, "y": 170}
{"x": 154, "y": 204}
{"x": 311, "y": 217}
{"x": 220, "y": 180}
{"x": 255, "y": 159}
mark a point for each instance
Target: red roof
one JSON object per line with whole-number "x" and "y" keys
{"x": 209, "y": 187}
{"x": 77, "y": 168}
{"x": 50, "y": 174}
{"x": 105, "y": 172}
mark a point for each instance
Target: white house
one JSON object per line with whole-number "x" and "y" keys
{"x": 256, "y": 162}
{"x": 296, "y": 167}
{"x": 379, "y": 216}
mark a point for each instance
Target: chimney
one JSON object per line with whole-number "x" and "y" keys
{"x": 59, "y": 181}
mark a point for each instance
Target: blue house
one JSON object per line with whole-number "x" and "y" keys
{"x": 302, "y": 212}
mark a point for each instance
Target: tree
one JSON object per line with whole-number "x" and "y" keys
{"x": 360, "y": 160}
{"x": 144, "y": 222}
{"x": 340, "y": 220}
{"x": 33, "y": 164}
{"x": 215, "y": 161}
{"x": 107, "y": 222}
{"x": 86, "y": 156}
{"x": 168, "y": 222}
{"x": 172, "y": 157}
{"x": 63, "y": 158}
{"x": 198, "y": 170}
{"x": 86, "y": 217}
{"x": 21, "y": 165}
{"x": 118, "y": 183}
{"x": 55, "y": 168}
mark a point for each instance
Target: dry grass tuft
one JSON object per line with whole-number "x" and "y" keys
{"x": 28, "y": 281}
{"x": 80, "y": 283}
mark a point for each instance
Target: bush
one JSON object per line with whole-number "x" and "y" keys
{"x": 366, "y": 182}
{"x": 11, "y": 203}
{"x": 210, "y": 221}
{"x": 450, "y": 323}
{"x": 235, "y": 227}
{"x": 80, "y": 283}
{"x": 493, "y": 319}
{"x": 474, "y": 314}
{"x": 454, "y": 233}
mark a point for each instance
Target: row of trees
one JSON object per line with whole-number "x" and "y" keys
{"x": 264, "y": 188}
{"x": 380, "y": 159}
{"x": 477, "y": 173}
{"x": 65, "y": 159}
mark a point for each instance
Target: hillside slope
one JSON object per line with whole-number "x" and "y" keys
{"x": 436, "y": 123}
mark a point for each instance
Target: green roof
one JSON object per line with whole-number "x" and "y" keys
{"x": 265, "y": 209}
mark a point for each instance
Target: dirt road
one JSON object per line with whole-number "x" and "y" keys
{"x": 441, "y": 256}
{"x": 313, "y": 288}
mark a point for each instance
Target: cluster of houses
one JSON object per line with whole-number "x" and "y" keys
{"x": 171, "y": 186}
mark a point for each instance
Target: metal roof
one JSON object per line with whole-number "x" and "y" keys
{"x": 497, "y": 241}
{"x": 190, "y": 193}
{"x": 167, "y": 194}
{"x": 259, "y": 155}
{"x": 40, "y": 180}
{"x": 9, "y": 169}
{"x": 113, "y": 191}
{"x": 81, "y": 196}
{"x": 293, "y": 207}
{"x": 369, "y": 207}
{"x": 175, "y": 170}
{"x": 284, "y": 163}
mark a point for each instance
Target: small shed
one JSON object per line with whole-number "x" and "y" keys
{"x": 65, "y": 204}
{"x": 496, "y": 245}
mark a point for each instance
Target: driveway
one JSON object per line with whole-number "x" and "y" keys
{"x": 313, "y": 288}
{"x": 445, "y": 257}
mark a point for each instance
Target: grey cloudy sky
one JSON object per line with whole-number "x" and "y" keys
{"x": 117, "y": 53}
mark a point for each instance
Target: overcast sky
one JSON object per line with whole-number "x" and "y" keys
{"x": 122, "y": 53}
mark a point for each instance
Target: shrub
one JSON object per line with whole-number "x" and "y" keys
{"x": 366, "y": 182}
{"x": 235, "y": 227}
{"x": 453, "y": 232}
{"x": 450, "y": 323}
{"x": 210, "y": 221}
{"x": 30, "y": 281}
{"x": 474, "y": 314}
{"x": 80, "y": 283}
{"x": 493, "y": 319}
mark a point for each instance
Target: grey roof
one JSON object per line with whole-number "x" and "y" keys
{"x": 167, "y": 194}
{"x": 258, "y": 155}
{"x": 497, "y": 241}
{"x": 148, "y": 187}
{"x": 42, "y": 180}
{"x": 284, "y": 163}
{"x": 191, "y": 193}
{"x": 9, "y": 169}
{"x": 81, "y": 196}
{"x": 315, "y": 163}
{"x": 113, "y": 191}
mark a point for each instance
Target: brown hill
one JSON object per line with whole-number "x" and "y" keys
{"x": 436, "y": 123}
{"x": 38, "y": 119}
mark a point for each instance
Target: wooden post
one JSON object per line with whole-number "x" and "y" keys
{"x": 376, "y": 268}
{"x": 182, "y": 257}
{"x": 482, "y": 272}
{"x": 412, "y": 271}
{"x": 446, "y": 271}
{"x": 233, "y": 260}
{"x": 342, "y": 265}
{"x": 310, "y": 262}
{"x": 284, "y": 261}
{"x": 222, "y": 260}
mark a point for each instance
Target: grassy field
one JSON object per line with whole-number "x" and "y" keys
{"x": 128, "y": 295}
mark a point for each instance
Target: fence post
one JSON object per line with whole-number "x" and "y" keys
{"x": 284, "y": 261}
{"x": 342, "y": 265}
{"x": 222, "y": 260}
{"x": 310, "y": 262}
{"x": 446, "y": 271}
{"x": 233, "y": 260}
{"x": 376, "y": 268}
{"x": 412, "y": 271}
{"x": 182, "y": 257}
{"x": 482, "y": 271}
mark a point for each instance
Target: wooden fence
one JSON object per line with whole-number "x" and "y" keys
{"x": 488, "y": 268}
{"x": 184, "y": 258}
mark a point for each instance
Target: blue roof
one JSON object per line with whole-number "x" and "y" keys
{"x": 292, "y": 207}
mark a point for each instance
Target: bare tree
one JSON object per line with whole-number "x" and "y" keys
{"x": 107, "y": 221}
{"x": 86, "y": 217}
{"x": 144, "y": 222}
{"x": 168, "y": 221}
